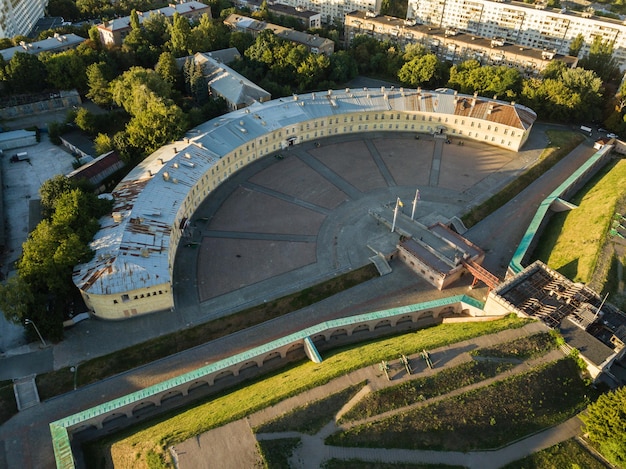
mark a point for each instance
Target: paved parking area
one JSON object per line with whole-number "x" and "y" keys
{"x": 20, "y": 185}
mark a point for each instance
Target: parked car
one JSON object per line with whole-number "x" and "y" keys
{"x": 611, "y": 135}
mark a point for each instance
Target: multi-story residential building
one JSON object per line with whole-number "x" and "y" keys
{"x": 18, "y": 17}
{"x": 533, "y": 26}
{"x": 450, "y": 45}
{"x": 332, "y": 11}
{"x": 314, "y": 43}
{"x": 308, "y": 18}
{"x": 113, "y": 32}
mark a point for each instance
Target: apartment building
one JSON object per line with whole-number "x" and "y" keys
{"x": 532, "y": 26}
{"x": 314, "y": 43}
{"x": 449, "y": 44}
{"x": 332, "y": 11}
{"x": 18, "y": 17}
{"x": 112, "y": 33}
{"x": 307, "y": 18}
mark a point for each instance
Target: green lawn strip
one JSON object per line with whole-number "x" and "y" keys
{"x": 268, "y": 390}
{"x": 312, "y": 417}
{"x": 566, "y": 455}
{"x": 562, "y": 142}
{"x": 572, "y": 240}
{"x": 360, "y": 464}
{"x": 61, "y": 381}
{"x": 484, "y": 418}
{"x": 276, "y": 453}
{"x": 523, "y": 348}
{"x": 420, "y": 389}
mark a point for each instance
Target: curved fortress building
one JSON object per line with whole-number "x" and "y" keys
{"x": 131, "y": 271}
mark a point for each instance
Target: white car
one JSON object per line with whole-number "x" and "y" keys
{"x": 611, "y": 135}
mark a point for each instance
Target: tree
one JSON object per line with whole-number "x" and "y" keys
{"x": 123, "y": 88}
{"x": 343, "y": 67}
{"x": 66, "y": 9}
{"x": 605, "y": 424}
{"x": 65, "y": 70}
{"x": 25, "y": 73}
{"x": 16, "y": 297}
{"x": 576, "y": 45}
{"x": 198, "y": 86}
{"x": 86, "y": 121}
{"x": 209, "y": 35}
{"x": 98, "y": 80}
{"x": 168, "y": 70}
{"x": 600, "y": 59}
{"x": 240, "y": 41}
{"x": 312, "y": 70}
{"x": 103, "y": 144}
{"x": 180, "y": 36}
{"x": 156, "y": 30}
{"x": 5, "y": 43}
{"x": 51, "y": 190}
{"x": 426, "y": 70}
{"x": 156, "y": 123}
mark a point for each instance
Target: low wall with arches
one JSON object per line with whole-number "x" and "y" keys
{"x": 266, "y": 357}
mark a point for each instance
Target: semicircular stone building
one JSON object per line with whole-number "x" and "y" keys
{"x": 131, "y": 271}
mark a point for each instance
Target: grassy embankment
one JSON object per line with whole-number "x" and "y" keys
{"x": 130, "y": 448}
{"x": 62, "y": 381}
{"x": 577, "y": 243}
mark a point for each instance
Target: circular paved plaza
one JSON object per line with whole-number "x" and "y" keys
{"x": 296, "y": 218}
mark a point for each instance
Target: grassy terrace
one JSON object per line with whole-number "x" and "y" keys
{"x": 485, "y": 418}
{"x": 130, "y": 447}
{"x": 311, "y": 418}
{"x": 449, "y": 379}
{"x": 583, "y": 255}
{"x": 562, "y": 142}
{"x": 569, "y": 454}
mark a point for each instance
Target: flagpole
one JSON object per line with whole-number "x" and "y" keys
{"x": 417, "y": 195}
{"x": 395, "y": 215}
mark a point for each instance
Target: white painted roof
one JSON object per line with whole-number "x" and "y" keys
{"x": 131, "y": 248}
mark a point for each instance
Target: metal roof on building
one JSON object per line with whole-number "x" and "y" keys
{"x": 131, "y": 248}
{"x": 58, "y": 42}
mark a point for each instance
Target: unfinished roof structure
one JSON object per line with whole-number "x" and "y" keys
{"x": 586, "y": 321}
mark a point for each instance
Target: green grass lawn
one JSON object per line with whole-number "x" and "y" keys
{"x": 311, "y": 418}
{"x": 522, "y": 348}
{"x": 488, "y": 417}
{"x": 420, "y": 389}
{"x": 572, "y": 240}
{"x": 567, "y": 455}
{"x": 276, "y": 452}
{"x": 128, "y": 449}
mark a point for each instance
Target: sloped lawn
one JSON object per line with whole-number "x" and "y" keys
{"x": 488, "y": 417}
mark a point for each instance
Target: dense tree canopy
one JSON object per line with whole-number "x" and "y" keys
{"x": 605, "y": 423}
{"x": 25, "y": 73}
{"x": 426, "y": 70}
{"x": 470, "y": 77}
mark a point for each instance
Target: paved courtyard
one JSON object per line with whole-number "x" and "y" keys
{"x": 289, "y": 222}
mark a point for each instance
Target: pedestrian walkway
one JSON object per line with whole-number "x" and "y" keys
{"x": 312, "y": 451}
